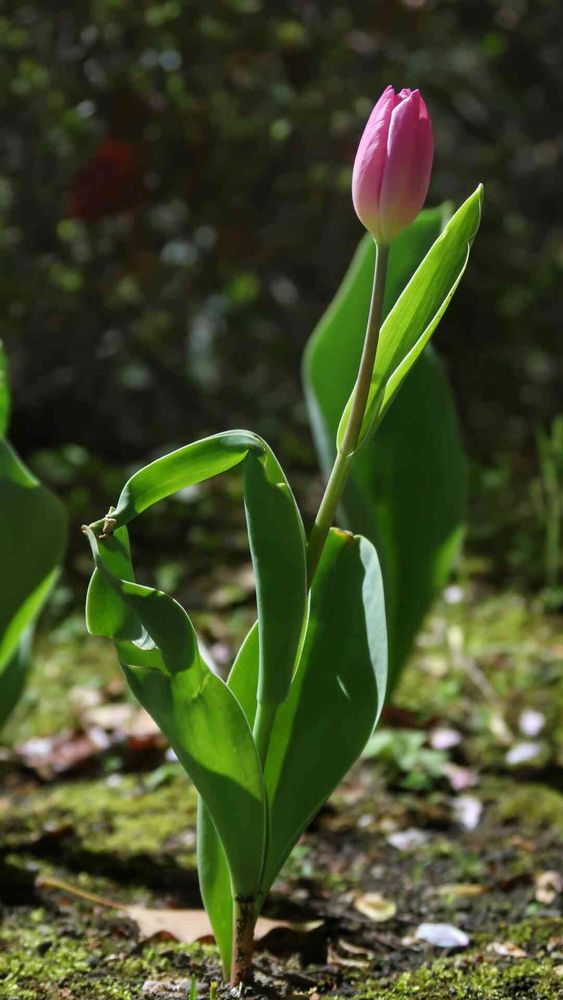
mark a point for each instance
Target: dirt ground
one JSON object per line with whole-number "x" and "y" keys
{"x": 434, "y": 871}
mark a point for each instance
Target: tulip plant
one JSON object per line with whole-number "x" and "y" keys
{"x": 265, "y": 749}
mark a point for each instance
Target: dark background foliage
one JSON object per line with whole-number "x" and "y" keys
{"x": 140, "y": 329}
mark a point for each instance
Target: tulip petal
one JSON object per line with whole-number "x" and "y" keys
{"x": 406, "y": 173}
{"x": 370, "y": 159}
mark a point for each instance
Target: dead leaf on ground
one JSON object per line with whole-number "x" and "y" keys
{"x": 67, "y": 753}
{"x": 548, "y": 885}
{"x": 408, "y": 840}
{"x": 189, "y": 926}
{"x": 461, "y": 890}
{"x": 507, "y": 949}
{"x": 375, "y": 907}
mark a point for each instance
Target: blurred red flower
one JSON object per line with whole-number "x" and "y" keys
{"x": 111, "y": 182}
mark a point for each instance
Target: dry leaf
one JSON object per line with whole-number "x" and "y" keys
{"x": 461, "y": 890}
{"x": 187, "y": 926}
{"x": 407, "y": 840}
{"x": 193, "y": 925}
{"x": 375, "y": 907}
{"x": 548, "y": 886}
{"x": 507, "y": 949}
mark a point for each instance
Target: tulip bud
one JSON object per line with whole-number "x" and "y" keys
{"x": 393, "y": 164}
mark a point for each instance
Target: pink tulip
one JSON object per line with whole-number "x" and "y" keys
{"x": 393, "y": 164}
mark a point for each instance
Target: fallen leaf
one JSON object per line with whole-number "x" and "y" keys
{"x": 375, "y": 907}
{"x": 442, "y": 935}
{"x": 355, "y": 949}
{"x": 507, "y": 949}
{"x": 66, "y": 753}
{"x": 407, "y": 840}
{"x": 156, "y": 987}
{"x": 187, "y": 926}
{"x": 461, "y": 890}
{"x": 548, "y": 885}
{"x": 335, "y": 958}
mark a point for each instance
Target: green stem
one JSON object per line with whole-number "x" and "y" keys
{"x": 345, "y": 454}
{"x": 244, "y": 922}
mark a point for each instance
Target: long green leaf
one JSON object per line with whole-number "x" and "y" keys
{"x": 194, "y": 708}
{"x": 186, "y": 466}
{"x": 276, "y": 533}
{"x": 14, "y": 675}
{"x": 419, "y": 309}
{"x": 32, "y": 540}
{"x": 336, "y": 696}
{"x": 416, "y": 453}
{"x": 277, "y": 544}
{"x": 333, "y": 705}
{"x": 213, "y": 870}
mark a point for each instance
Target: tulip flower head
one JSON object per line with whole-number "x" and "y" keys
{"x": 393, "y": 164}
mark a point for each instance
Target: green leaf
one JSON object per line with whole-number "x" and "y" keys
{"x": 276, "y": 534}
{"x": 186, "y": 466}
{"x": 334, "y": 703}
{"x": 419, "y": 309}
{"x": 4, "y": 392}
{"x": 215, "y": 884}
{"x": 336, "y": 696}
{"x": 277, "y": 545}
{"x": 32, "y": 540}
{"x": 14, "y": 675}
{"x": 417, "y": 451}
{"x": 212, "y": 867}
{"x": 192, "y": 706}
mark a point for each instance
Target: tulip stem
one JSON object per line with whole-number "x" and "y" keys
{"x": 346, "y": 451}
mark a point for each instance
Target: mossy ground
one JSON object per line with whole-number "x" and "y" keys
{"x": 130, "y": 837}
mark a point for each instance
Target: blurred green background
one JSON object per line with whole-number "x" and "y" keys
{"x": 180, "y": 301}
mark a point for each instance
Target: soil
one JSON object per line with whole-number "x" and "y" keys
{"x": 454, "y": 818}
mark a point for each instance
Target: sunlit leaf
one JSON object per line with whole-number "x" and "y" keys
{"x": 417, "y": 451}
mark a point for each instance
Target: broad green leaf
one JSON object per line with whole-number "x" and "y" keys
{"x": 215, "y": 884}
{"x": 336, "y": 696}
{"x": 14, "y": 675}
{"x": 194, "y": 708}
{"x": 32, "y": 539}
{"x": 212, "y": 865}
{"x": 277, "y": 545}
{"x": 408, "y": 494}
{"x": 333, "y": 704}
{"x": 186, "y": 466}
{"x": 276, "y": 534}
{"x": 4, "y": 393}
{"x": 417, "y": 312}
{"x": 417, "y": 451}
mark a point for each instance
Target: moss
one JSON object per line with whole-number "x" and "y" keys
{"x": 471, "y": 979}
{"x": 126, "y": 818}
{"x": 532, "y": 806}
{"x": 41, "y": 961}
{"x": 479, "y": 974}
